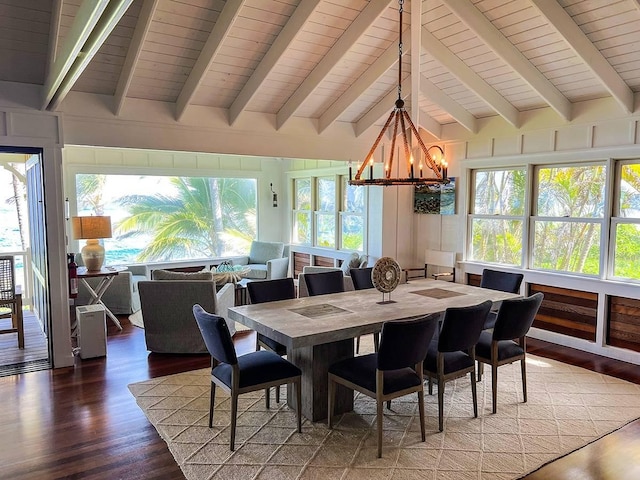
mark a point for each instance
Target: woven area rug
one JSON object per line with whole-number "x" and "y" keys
{"x": 568, "y": 407}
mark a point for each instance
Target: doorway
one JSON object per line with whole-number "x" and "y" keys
{"x": 23, "y": 236}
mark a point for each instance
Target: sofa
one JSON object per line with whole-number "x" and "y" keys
{"x": 266, "y": 260}
{"x": 122, "y": 296}
{"x": 167, "y": 309}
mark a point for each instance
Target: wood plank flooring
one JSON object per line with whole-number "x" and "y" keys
{"x": 35, "y": 343}
{"x": 82, "y": 423}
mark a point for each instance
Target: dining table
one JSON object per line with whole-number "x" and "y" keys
{"x": 319, "y": 331}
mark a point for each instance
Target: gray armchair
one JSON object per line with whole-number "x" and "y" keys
{"x": 267, "y": 260}
{"x": 122, "y": 296}
{"x": 167, "y": 310}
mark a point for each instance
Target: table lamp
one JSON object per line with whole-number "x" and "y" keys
{"x": 91, "y": 229}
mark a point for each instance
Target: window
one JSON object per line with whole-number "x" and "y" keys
{"x": 325, "y": 232}
{"x": 352, "y": 216}
{"x": 626, "y": 222}
{"x": 569, "y": 217}
{"x": 302, "y": 211}
{"x": 497, "y": 216}
{"x": 170, "y": 218}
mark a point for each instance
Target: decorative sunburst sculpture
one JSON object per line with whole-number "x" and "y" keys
{"x": 386, "y": 276}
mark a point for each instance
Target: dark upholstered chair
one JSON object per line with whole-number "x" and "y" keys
{"x": 325, "y": 283}
{"x": 496, "y": 348}
{"x": 395, "y": 371}
{"x": 452, "y": 353}
{"x": 502, "y": 281}
{"x": 247, "y": 373}
{"x": 361, "y": 278}
{"x": 271, "y": 291}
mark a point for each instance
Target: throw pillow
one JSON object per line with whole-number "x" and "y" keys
{"x": 363, "y": 260}
{"x": 169, "y": 275}
{"x": 352, "y": 262}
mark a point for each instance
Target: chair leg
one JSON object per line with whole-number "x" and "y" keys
{"x": 379, "y": 421}
{"x": 298, "y": 386}
{"x": 480, "y": 371}
{"x": 277, "y": 394}
{"x": 440, "y": 404}
{"x": 376, "y": 341}
{"x": 267, "y": 395}
{"x": 430, "y": 386}
{"x": 332, "y": 391}
{"x": 474, "y": 393}
{"x": 523, "y": 368}
{"x": 234, "y": 419}
{"x": 421, "y": 411}
{"x": 357, "y": 344}
{"x": 212, "y": 401}
{"x": 388, "y": 404}
{"x": 494, "y": 386}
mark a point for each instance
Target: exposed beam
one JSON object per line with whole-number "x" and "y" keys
{"x": 437, "y": 96}
{"x": 382, "y": 108}
{"x": 415, "y": 57}
{"x": 428, "y": 123}
{"x": 357, "y": 88}
{"x": 289, "y": 32}
{"x": 83, "y": 24}
{"x": 220, "y": 30}
{"x": 358, "y": 27}
{"x": 484, "y": 29}
{"x": 133, "y": 53}
{"x": 469, "y": 78}
{"x": 54, "y": 33}
{"x": 557, "y": 16}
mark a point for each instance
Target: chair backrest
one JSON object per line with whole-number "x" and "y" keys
{"x": 516, "y": 316}
{"x": 462, "y": 326}
{"x": 404, "y": 343}
{"x": 271, "y": 290}
{"x": 361, "y": 278}
{"x": 7, "y": 279}
{"x": 438, "y": 258}
{"x": 503, "y": 281}
{"x": 216, "y": 336}
{"x": 325, "y": 283}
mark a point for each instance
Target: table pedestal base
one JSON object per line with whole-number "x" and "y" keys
{"x": 314, "y": 362}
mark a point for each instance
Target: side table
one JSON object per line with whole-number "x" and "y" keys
{"x": 107, "y": 275}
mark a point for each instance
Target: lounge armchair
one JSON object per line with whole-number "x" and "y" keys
{"x": 122, "y": 296}
{"x": 167, "y": 310}
{"x": 267, "y": 260}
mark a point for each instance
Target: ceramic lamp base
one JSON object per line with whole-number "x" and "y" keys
{"x": 92, "y": 255}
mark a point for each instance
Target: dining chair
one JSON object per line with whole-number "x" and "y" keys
{"x": 271, "y": 291}
{"x": 502, "y": 281}
{"x": 452, "y": 353}
{"x": 325, "y": 283}
{"x": 247, "y": 373}
{"x": 361, "y": 278}
{"x": 10, "y": 302}
{"x": 395, "y": 371}
{"x": 507, "y": 342}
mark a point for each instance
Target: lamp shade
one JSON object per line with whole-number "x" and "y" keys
{"x": 91, "y": 227}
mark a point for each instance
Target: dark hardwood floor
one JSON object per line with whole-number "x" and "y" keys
{"x": 82, "y": 423}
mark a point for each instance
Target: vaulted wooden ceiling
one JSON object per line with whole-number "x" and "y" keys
{"x": 329, "y": 60}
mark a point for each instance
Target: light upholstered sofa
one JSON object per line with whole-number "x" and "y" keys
{"x": 266, "y": 260}
{"x": 122, "y": 296}
{"x": 167, "y": 309}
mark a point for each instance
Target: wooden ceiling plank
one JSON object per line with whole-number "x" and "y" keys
{"x": 484, "y": 29}
{"x": 358, "y": 27}
{"x": 54, "y": 34}
{"x": 382, "y": 108}
{"x": 133, "y": 53}
{"x": 208, "y": 54}
{"x": 557, "y": 16}
{"x": 357, "y": 88}
{"x": 453, "y": 108}
{"x": 289, "y": 32}
{"x": 469, "y": 78}
{"x": 85, "y": 21}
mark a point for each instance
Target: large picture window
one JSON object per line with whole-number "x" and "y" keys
{"x": 569, "y": 217}
{"x": 326, "y": 212}
{"x": 158, "y": 218}
{"x": 497, "y": 216}
{"x": 302, "y": 211}
{"x": 352, "y": 216}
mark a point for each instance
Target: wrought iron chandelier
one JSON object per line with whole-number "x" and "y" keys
{"x": 435, "y": 164}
